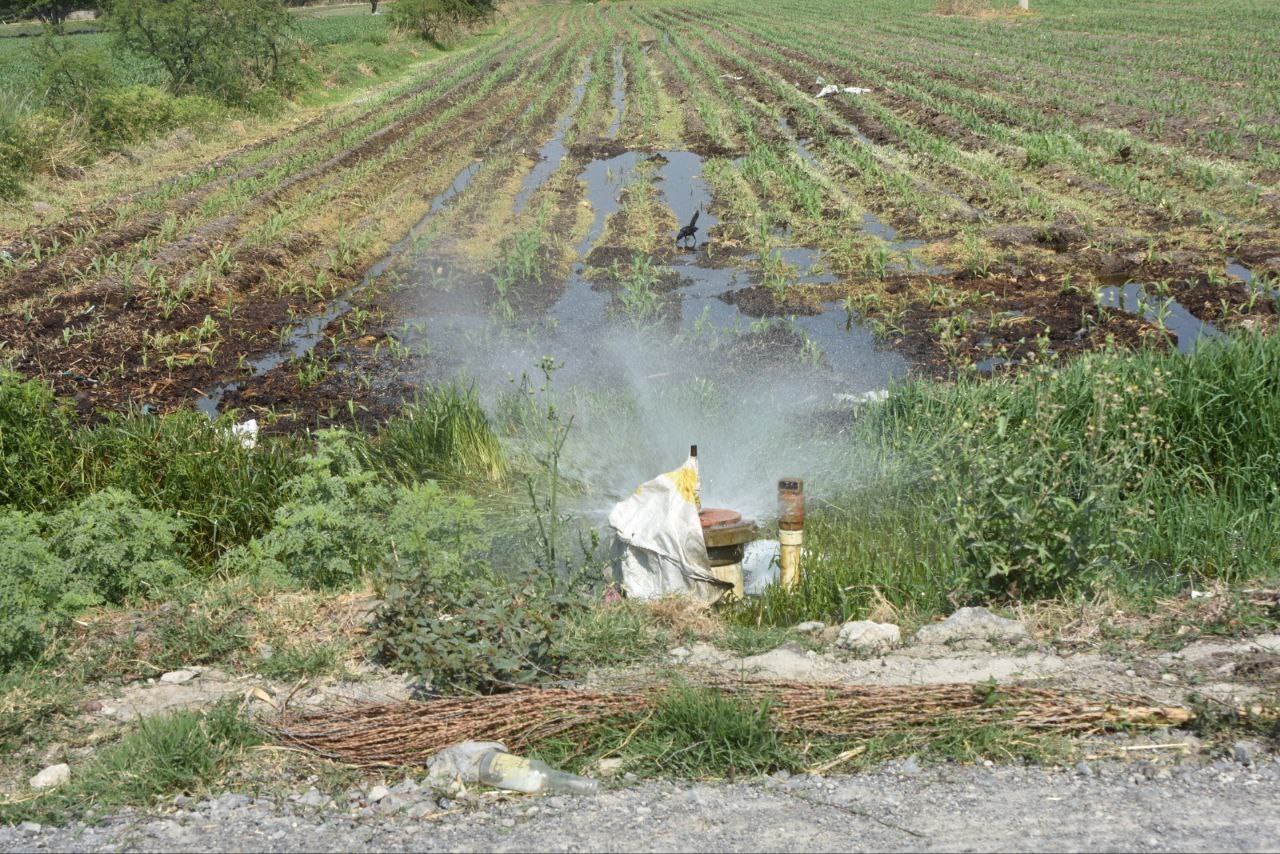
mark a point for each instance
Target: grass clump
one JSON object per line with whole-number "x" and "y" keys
{"x": 701, "y": 732}
{"x": 1141, "y": 472}
{"x": 175, "y": 753}
{"x": 443, "y": 435}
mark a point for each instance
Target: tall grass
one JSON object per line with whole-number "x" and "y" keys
{"x": 1142, "y": 471}
{"x": 443, "y": 435}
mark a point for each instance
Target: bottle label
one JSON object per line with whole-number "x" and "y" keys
{"x": 505, "y": 763}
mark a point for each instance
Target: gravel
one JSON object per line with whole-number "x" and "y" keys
{"x": 902, "y": 806}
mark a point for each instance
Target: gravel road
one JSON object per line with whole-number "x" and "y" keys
{"x": 901, "y": 807}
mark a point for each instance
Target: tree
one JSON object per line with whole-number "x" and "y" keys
{"x": 223, "y": 48}
{"x": 439, "y": 20}
{"x": 51, "y": 12}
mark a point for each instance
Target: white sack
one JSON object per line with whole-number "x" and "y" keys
{"x": 662, "y": 551}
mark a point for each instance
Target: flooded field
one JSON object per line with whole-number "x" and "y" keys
{"x": 864, "y": 210}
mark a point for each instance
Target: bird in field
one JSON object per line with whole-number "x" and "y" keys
{"x": 690, "y": 231}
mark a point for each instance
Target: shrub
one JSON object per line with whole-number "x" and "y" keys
{"x": 437, "y": 533}
{"x": 440, "y": 20}
{"x": 486, "y": 636}
{"x": 129, "y": 114}
{"x": 17, "y": 150}
{"x": 116, "y": 549}
{"x": 227, "y": 49}
{"x": 179, "y": 463}
{"x": 443, "y": 434}
{"x": 32, "y": 591}
{"x": 330, "y": 528}
{"x": 70, "y": 74}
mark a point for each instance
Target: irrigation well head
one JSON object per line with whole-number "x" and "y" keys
{"x": 726, "y": 535}
{"x": 790, "y": 530}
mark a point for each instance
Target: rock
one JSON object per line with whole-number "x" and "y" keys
{"x": 421, "y": 809}
{"x": 177, "y": 677}
{"x": 910, "y": 767}
{"x": 508, "y": 822}
{"x": 812, "y": 627}
{"x": 313, "y": 798}
{"x": 377, "y": 793}
{"x": 31, "y": 827}
{"x": 54, "y": 775}
{"x": 679, "y": 654}
{"x": 972, "y": 624}
{"x": 41, "y": 208}
{"x": 1168, "y": 677}
{"x": 404, "y": 787}
{"x": 867, "y": 637}
{"x": 392, "y": 804}
{"x": 1083, "y": 769}
{"x": 1245, "y": 752}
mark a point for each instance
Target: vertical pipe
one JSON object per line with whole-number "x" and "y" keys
{"x": 790, "y": 530}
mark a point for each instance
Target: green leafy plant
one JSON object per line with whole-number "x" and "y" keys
{"x": 34, "y": 593}
{"x": 440, "y": 20}
{"x": 118, "y": 549}
{"x": 329, "y": 529}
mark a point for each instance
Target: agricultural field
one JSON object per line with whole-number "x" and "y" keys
{"x": 1000, "y": 286}
{"x": 997, "y": 193}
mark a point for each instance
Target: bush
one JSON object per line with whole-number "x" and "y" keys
{"x": 17, "y": 151}
{"x": 227, "y": 49}
{"x": 70, "y": 74}
{"x": 180, "y": 463}
{"x": 486, "y": 636}
{"x": 330, "y": 528}
{"x": 444, "y": 434}
{"x": 32, "y": 581}
{"x": 130, "y": 114}
{"x": 440, "y": 20}
{"x": 115, "y": 549}
{"x": 35, "y": 443}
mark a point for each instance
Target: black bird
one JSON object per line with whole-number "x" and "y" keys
{"x": 690, "y": 230}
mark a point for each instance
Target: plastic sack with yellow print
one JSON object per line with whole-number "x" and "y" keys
{"x": 660, "y": 550}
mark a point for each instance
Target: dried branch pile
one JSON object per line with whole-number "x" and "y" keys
{"x": 411, "y": 732}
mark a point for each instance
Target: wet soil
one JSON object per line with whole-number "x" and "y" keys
{"x": 1055, "y": 289}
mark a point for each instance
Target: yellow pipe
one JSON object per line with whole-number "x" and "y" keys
{"x": 790, "y": 530}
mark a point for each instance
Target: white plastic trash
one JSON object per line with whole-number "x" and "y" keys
{"x": 759, "y": 566}
{"x": 247, "y": 433}
{"x": 660, "y": 549}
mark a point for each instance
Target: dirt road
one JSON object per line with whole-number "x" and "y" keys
{"x": 1142, "y": 806}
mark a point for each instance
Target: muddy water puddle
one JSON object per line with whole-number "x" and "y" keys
{"x": 554, "y": 150}
{"x": 462, "y": 332}
{"x": 586, "y": 325}
{"x": 1261, "y": 285}
{"x": 1186, "y": 328}
{"x": 618, "y": 98}
{"x": 902, "y": 249}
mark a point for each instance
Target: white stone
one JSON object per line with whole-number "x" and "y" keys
{"x": 54, "y": 775}
{"x": 972, "y": 624}
{"x": 377, "y": 793}
{"x": 177, "y": 677}
{"x": 608, "y": 767}
{"x": 868, "y": 637}
{"x": 812, "y": 627}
